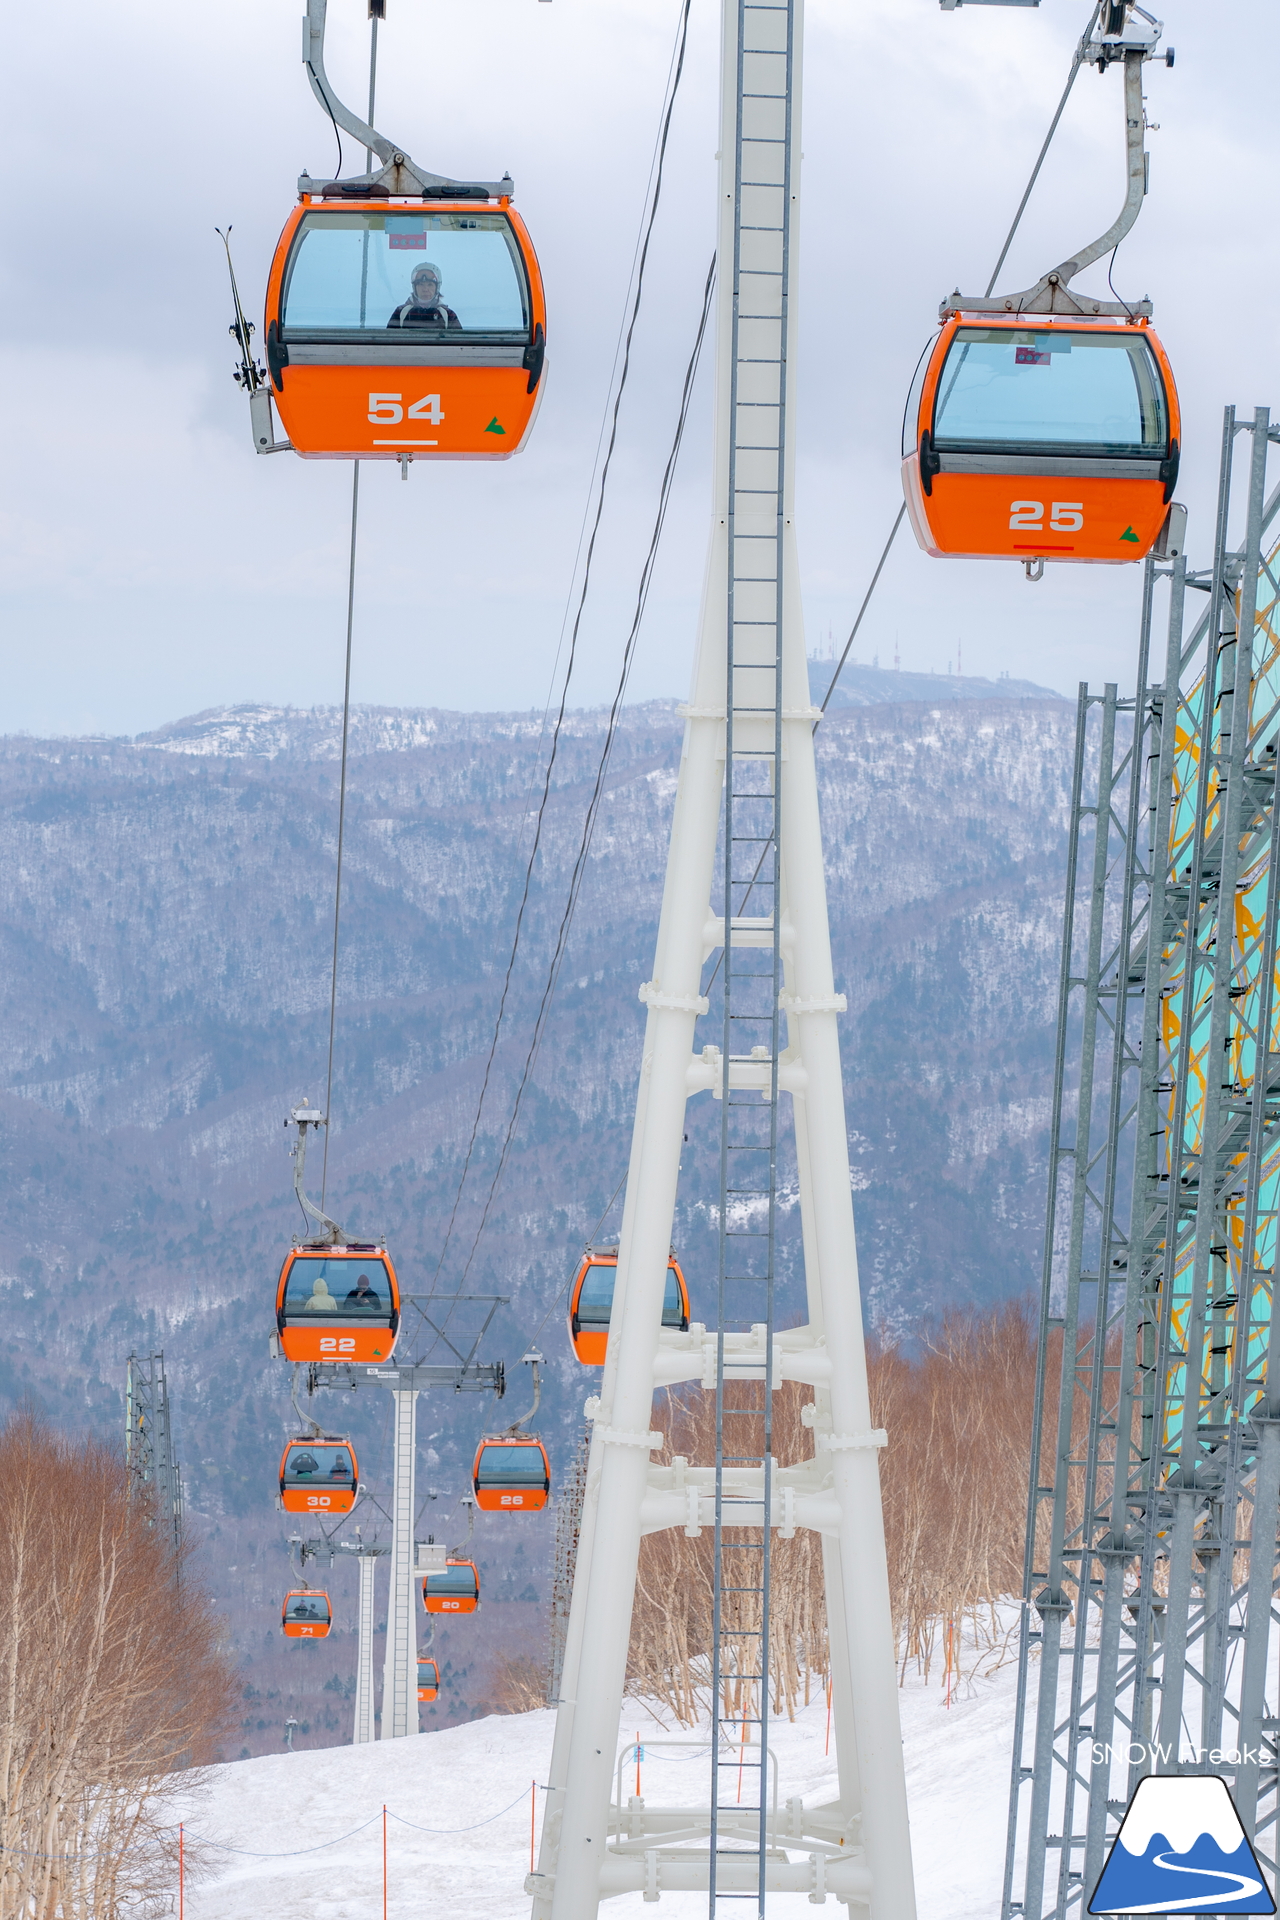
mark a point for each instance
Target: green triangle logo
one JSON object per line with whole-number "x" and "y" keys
{"x": 1129, "y": 534}
{"x": 493, "y": 427}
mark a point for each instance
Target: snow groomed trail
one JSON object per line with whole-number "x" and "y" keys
{"x": 457, "y": 1783}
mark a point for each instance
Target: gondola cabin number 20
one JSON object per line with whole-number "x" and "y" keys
{"x": 388, "y": 409}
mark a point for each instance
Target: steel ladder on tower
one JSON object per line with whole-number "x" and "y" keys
{"x": 752, "y": 953}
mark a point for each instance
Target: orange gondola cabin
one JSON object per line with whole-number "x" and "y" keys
{"x": 1039, "y": 437}
{"x": 319, "y": 1476}
{"x": 338, "y": 1303}
{"x": 511, "y": 1474}
{"x": 591, "y": 1302}
{"x": 428, "y": 1679}
{"x": 306, "y": 1614}
{"x": 405, "y": 329}
{"x": 454, "y": 1589}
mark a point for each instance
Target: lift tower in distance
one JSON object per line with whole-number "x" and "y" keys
{"x": 760, "y": 907}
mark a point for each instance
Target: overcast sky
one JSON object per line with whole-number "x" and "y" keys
{"x": 153, "y": 566}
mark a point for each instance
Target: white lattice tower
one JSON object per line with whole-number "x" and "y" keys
{"x": 856, "y": 1848}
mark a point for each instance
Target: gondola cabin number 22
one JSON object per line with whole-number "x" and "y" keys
{"x": 388, "y": 409}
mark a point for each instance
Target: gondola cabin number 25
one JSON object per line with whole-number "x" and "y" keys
{"x": 388, "y": 409}
{"x": 1027, "y": 516}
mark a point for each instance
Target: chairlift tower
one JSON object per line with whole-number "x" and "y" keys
{"x": 747, "y": 765}
{"x": 405, "y": 1379}
{"x": 148, "y": 1440}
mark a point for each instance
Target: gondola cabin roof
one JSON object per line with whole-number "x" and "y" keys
{"x": 454, "y": 1589}
{"x": 591, "y": 1302}
{"x": 402, "y": 329}
{"x": 511, "y": 1474}
{"x": 319, "y": 1476}
{"x": 338, "y": 1304}
{"x": 1041, "y": 437}
{"x": 306, "y": 1614}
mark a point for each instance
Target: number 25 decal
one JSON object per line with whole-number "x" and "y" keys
{"x": 388, "y": 410}
{"x": 1027, "y": 516}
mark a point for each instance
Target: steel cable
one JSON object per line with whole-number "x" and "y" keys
{"x": 601, "y": 494}
{"x": 593, "y": 805}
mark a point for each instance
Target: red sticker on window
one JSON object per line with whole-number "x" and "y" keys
{"x": 1022, "y": 356}
{"x": 417, "y": 243}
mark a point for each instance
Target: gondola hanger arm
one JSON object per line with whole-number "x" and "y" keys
{"x": 304, "y": 1118}
{"x": 532, "y": 1359}
{"x": 399, "y": 174}
{"x": 1124, "y": 33}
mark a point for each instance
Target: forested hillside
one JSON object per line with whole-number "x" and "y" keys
{"x": 166, "y": 919}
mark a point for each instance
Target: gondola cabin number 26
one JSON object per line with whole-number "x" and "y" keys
{"x": 388, "y": 409}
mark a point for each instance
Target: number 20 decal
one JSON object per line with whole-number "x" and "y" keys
{"x": 330, "y": 1345}
{"x": 1027, "y": 516}
{"x": 388, "y": 409}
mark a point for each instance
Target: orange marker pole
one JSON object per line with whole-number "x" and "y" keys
{"x": 384, "y": 1860}
{"x": 827, "y": 1748}
{"x": 637, "y": 1766}
{"x": 182, "y": 1872}
{"x": 533, "y": 1811}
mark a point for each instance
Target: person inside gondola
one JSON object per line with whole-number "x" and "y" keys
{"x": 424, "y": 307}
{"x": 363, "y": 1297}
{"x": 341, "y": 1468}
{"x": 304, "y": 1464}
{"x": 321, "y": 1301}
{"x": 304, "y": 1610}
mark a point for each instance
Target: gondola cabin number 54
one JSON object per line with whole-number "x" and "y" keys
{"x": 388, "y": 409}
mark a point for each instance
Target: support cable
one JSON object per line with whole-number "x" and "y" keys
{"x": 342, "y": 821}
{"x": 593, "y": 805}
{"x": 577, "y": 625}
{"x": 1077, "y": 61}
{"x": 346, "y": 685}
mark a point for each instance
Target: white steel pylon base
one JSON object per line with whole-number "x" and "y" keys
{"x": 857, "y": 1849}
{"x": 362, "y": 1730}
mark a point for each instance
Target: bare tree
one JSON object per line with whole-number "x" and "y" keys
{"x": 112, "y": 1674}
{"x": 954, "y": 1484}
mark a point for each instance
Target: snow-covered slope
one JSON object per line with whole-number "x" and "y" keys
{"x": 465, "y": 1862}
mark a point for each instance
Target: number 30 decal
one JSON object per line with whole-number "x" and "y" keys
{"x": 1027, "y": 516}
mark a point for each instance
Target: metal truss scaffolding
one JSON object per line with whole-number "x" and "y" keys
{"x": 148, "y": 1440}
{"x": 745, "y": 902}
{"x": 1147, "y": 1641}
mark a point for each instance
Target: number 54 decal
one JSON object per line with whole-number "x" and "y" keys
{"x": 388, "y": 409}
{"x": 1027, "y": 516}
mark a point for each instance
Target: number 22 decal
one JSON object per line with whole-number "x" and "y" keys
{"x": 1027, "y": 516}
{"x": 330, "y": 1345}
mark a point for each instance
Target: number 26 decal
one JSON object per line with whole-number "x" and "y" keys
{"x": 1027, "y": 516}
